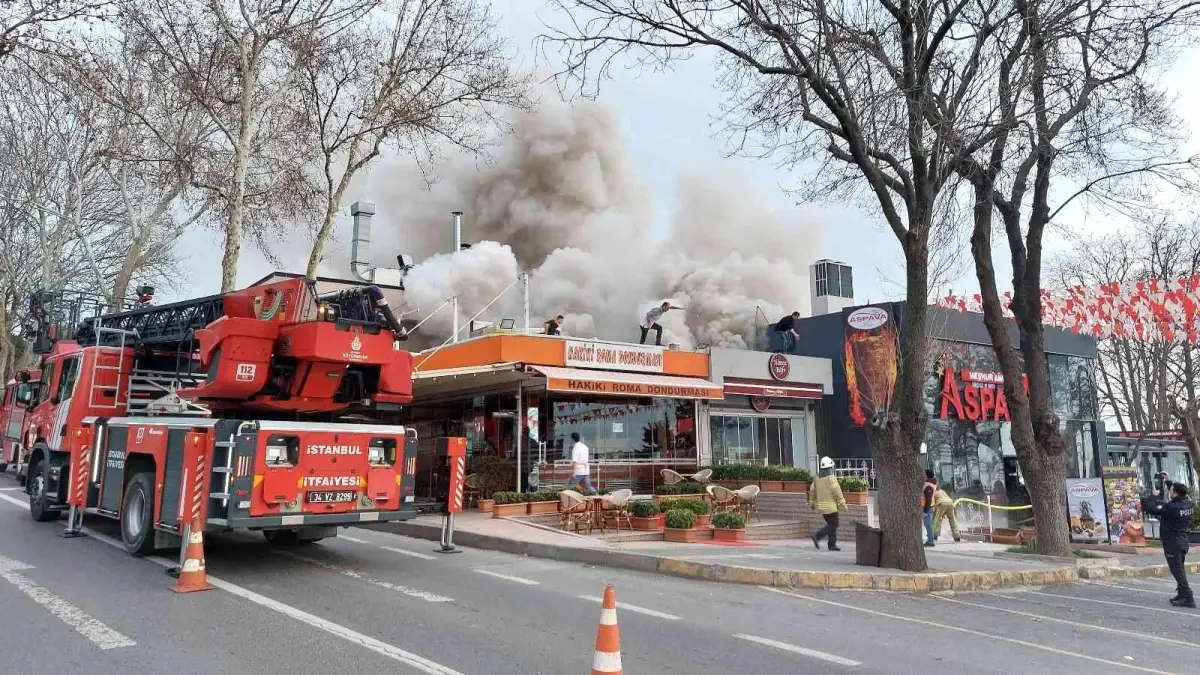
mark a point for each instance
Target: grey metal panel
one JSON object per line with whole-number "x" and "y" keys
{"x": 186, "y": 422}
{"x": 112, "y": 469}
{"x": 272, "y": 425}
{"x": 172, "y": 475}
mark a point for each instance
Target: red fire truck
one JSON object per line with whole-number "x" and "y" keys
{"x": 230, "y": 410}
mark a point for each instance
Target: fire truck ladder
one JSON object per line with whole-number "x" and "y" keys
{"x": 110, "y": 342}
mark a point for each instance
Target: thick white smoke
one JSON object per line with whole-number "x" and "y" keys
{"x": 561, "y": 199}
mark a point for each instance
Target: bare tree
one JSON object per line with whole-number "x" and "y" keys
{"x": 240, "y": 61}
{"x": 1071, "y": 102}
{"x": 417, "y": 75}
{"x": 849, "y": 84}
{"x": 36, "y": 24}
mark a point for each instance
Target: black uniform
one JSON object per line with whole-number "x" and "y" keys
{"x": 1175, "y": 519}
{"x": 552, "y": 327}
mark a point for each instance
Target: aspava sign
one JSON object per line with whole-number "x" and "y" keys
{"x": 980, "y": 399}
{"x": 640, "y": 358}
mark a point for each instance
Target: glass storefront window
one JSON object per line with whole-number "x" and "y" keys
{"x": 622, "y": 428}
{"x": 1081, "y": 448}
{"x": 751, "y": 438}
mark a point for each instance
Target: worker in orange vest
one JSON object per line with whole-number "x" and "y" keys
{"x": 927, "y": 506}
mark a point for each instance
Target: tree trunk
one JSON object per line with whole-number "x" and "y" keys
{"x": 237, "y": 192}
{"x": 334, "y": 200}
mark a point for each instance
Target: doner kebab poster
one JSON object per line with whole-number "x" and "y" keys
{"x": 1085, "y": 508}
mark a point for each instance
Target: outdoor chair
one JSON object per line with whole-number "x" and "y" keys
{"x": 672, "y": 477}
{"x": 576, "y": 511}
{"x": 747, "y": 501}
{"x": 471, "y": 492}
{"x": 723, "y": 499}
{"x": 702, "y": 476}
{"x": 619, "y": 508}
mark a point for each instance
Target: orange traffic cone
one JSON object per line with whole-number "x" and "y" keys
{"x": 192, "y": 574}
{"x": 607, "y": 660}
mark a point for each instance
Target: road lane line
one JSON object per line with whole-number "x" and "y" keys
{"x": 624, "y": 606}
{"x": 414, "y": 554}
{"x": 12, "y": 488}
{"x": 13, "y": 500}
{"x": 968, "y": 631}
{"x": 1156, "y": 610}
{"x": 365, "y": 641}
{"x": 832, "y": 658}
{"x": 353, "y": 574}
{"x": 83, "y": 623}
{"x": 356, "y": 540}
{"x": 519, "y": 580}
{"x": 1068, "y": 622}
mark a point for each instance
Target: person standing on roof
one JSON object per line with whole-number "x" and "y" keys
{"x": 650, "y": 322}
{"x": 783, "y": 333}
{"x": 553, "y": 325}
{"x": 827, "y": 499}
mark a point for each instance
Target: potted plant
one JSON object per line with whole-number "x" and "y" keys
{"x": 643, "y": 515}
{"x": 543, "y": 501}
{"x": 679, "y": 524}
{"x": 732, "y": 476}
{"x": 697, "y": 507}
{"x": 1006, "y": 535}
{"x": 665, "y": 493}
{"x": 729, "y": 526}
{"x": 854, "y": 489}
{"x": 508, "y": 504}
{"x": 485, "y": 505}
{"x": 796, "y": 480}
{"x": 770, "y": 478}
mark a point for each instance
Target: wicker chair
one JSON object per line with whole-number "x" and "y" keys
{"x": 619, "y": 508}
{"x": 747, "y": 503}
{"x": 471, "y": 491}
{"x": 701, "y": 476}
{"x": 576, "y": 511}
{"x": 672, "y": 477}
{"x": 723, "y": 499}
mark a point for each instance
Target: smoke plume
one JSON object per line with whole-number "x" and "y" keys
{"x": 561, "y": 199}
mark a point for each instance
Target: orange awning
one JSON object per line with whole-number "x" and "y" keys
{"x": 613, "y": 383}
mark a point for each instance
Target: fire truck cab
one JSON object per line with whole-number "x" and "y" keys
{"x": 17, "y": 395}
{"x": 225, "y": 412}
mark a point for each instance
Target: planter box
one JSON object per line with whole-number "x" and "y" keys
{"x": 770, "y": 485}
{"x": 509, "y": 510}
{"x": 1009, "y": 537}
{"x": 855, "y": 497}
{"x": 1028, "y": 535}
{"x": 485, "y": 505}
{"x": 651, "y": 524}
{"x": 720, "y": 534}
{"x": 703, "y": 521}
{"x": 680, "y": 536}
{"x": 795, "y": 486}
{"x": 542, "y": 507}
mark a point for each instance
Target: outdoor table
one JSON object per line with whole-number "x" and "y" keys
{"x": 597, "y": 503}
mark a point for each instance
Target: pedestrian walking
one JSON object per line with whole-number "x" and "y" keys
{"x": 1175, "y": 518}
{"x": 826, "y": 498}
{"x": 650, "y": 322}
{"x": 553, "y": 325}
{"x": 783, "y": 333}
{"x": 927, "y": 506}
{"x": 943, "y": 508}
{"x": 580, "y": 469}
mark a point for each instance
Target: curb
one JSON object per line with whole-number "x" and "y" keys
{"x": 931, "y": 582}
{"x": 1140, "y": 571}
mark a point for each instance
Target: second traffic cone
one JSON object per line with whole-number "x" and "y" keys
{"x": 192, "y": 574}
{"x": 607, "y": 660}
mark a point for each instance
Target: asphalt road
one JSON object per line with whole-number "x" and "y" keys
{"x": 373, "y": 602}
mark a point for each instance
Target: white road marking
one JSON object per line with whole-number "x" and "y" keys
{"x": 356, "y": 540}
{"x": 12, "y": 488}
{"x": 89, "y": 627}
{"x": 1121, "y": 586}
{"x": 365, "y": 641}
{"x": 414, "y": 554}
{"x": 959, "y": 629}
{"x": 411, "y": 592}
{"x": 1156, "y": 610}
{"x": 1079, "y": 624}
{"x": 624, "y": 606}
{"x": 13, "y": 500}
{"x": 832, "y": 658}
{"x": 519, "y": 580}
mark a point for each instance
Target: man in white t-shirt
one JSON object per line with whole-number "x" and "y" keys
{"x": 650, "y": 322}
{"x": 580, "y": 471}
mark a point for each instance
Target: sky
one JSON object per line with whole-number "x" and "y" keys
{"x": 669, "y": 123}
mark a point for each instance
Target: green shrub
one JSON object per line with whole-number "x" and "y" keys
{"x": 494, "y": 473}
{"x": 680, "y": 519}
{"x": 696, "y": 506}
{"x": 509, "y": 497}
{"x": 691, "y": 488}
{"x": 667, "y": 489}
{"x": 852, "y": 484}
{"x": 643, "y": 508}
{"x": 798, "y": 475}
{"x": 729, "y": 520}
{"x": 544, "y": 496}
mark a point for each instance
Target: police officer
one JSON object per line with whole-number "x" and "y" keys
{"x": 1175, "y": 519}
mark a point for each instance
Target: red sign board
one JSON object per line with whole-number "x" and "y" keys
{"x": 980, "y": 399}
{"x": 779, "y": 367}
{"x": 760, "y": 403}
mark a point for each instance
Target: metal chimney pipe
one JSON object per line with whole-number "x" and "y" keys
{"x": 457, "y": 230}
{"x": 525, "y": 298}
{"x": 360, "y": 245}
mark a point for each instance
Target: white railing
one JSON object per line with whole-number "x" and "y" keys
{"x": 858, "y": 468}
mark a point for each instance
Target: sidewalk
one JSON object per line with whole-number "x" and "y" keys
{"x": 784, "y": 563}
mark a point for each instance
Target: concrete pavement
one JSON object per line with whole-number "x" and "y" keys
{"x": 375, "y": 602}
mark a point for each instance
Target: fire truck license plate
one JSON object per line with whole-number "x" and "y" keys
{"x": 331, "y": 497}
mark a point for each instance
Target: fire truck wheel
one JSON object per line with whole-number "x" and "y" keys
{"x": 137, "y": 512}
{"x": 39, "y": 501}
